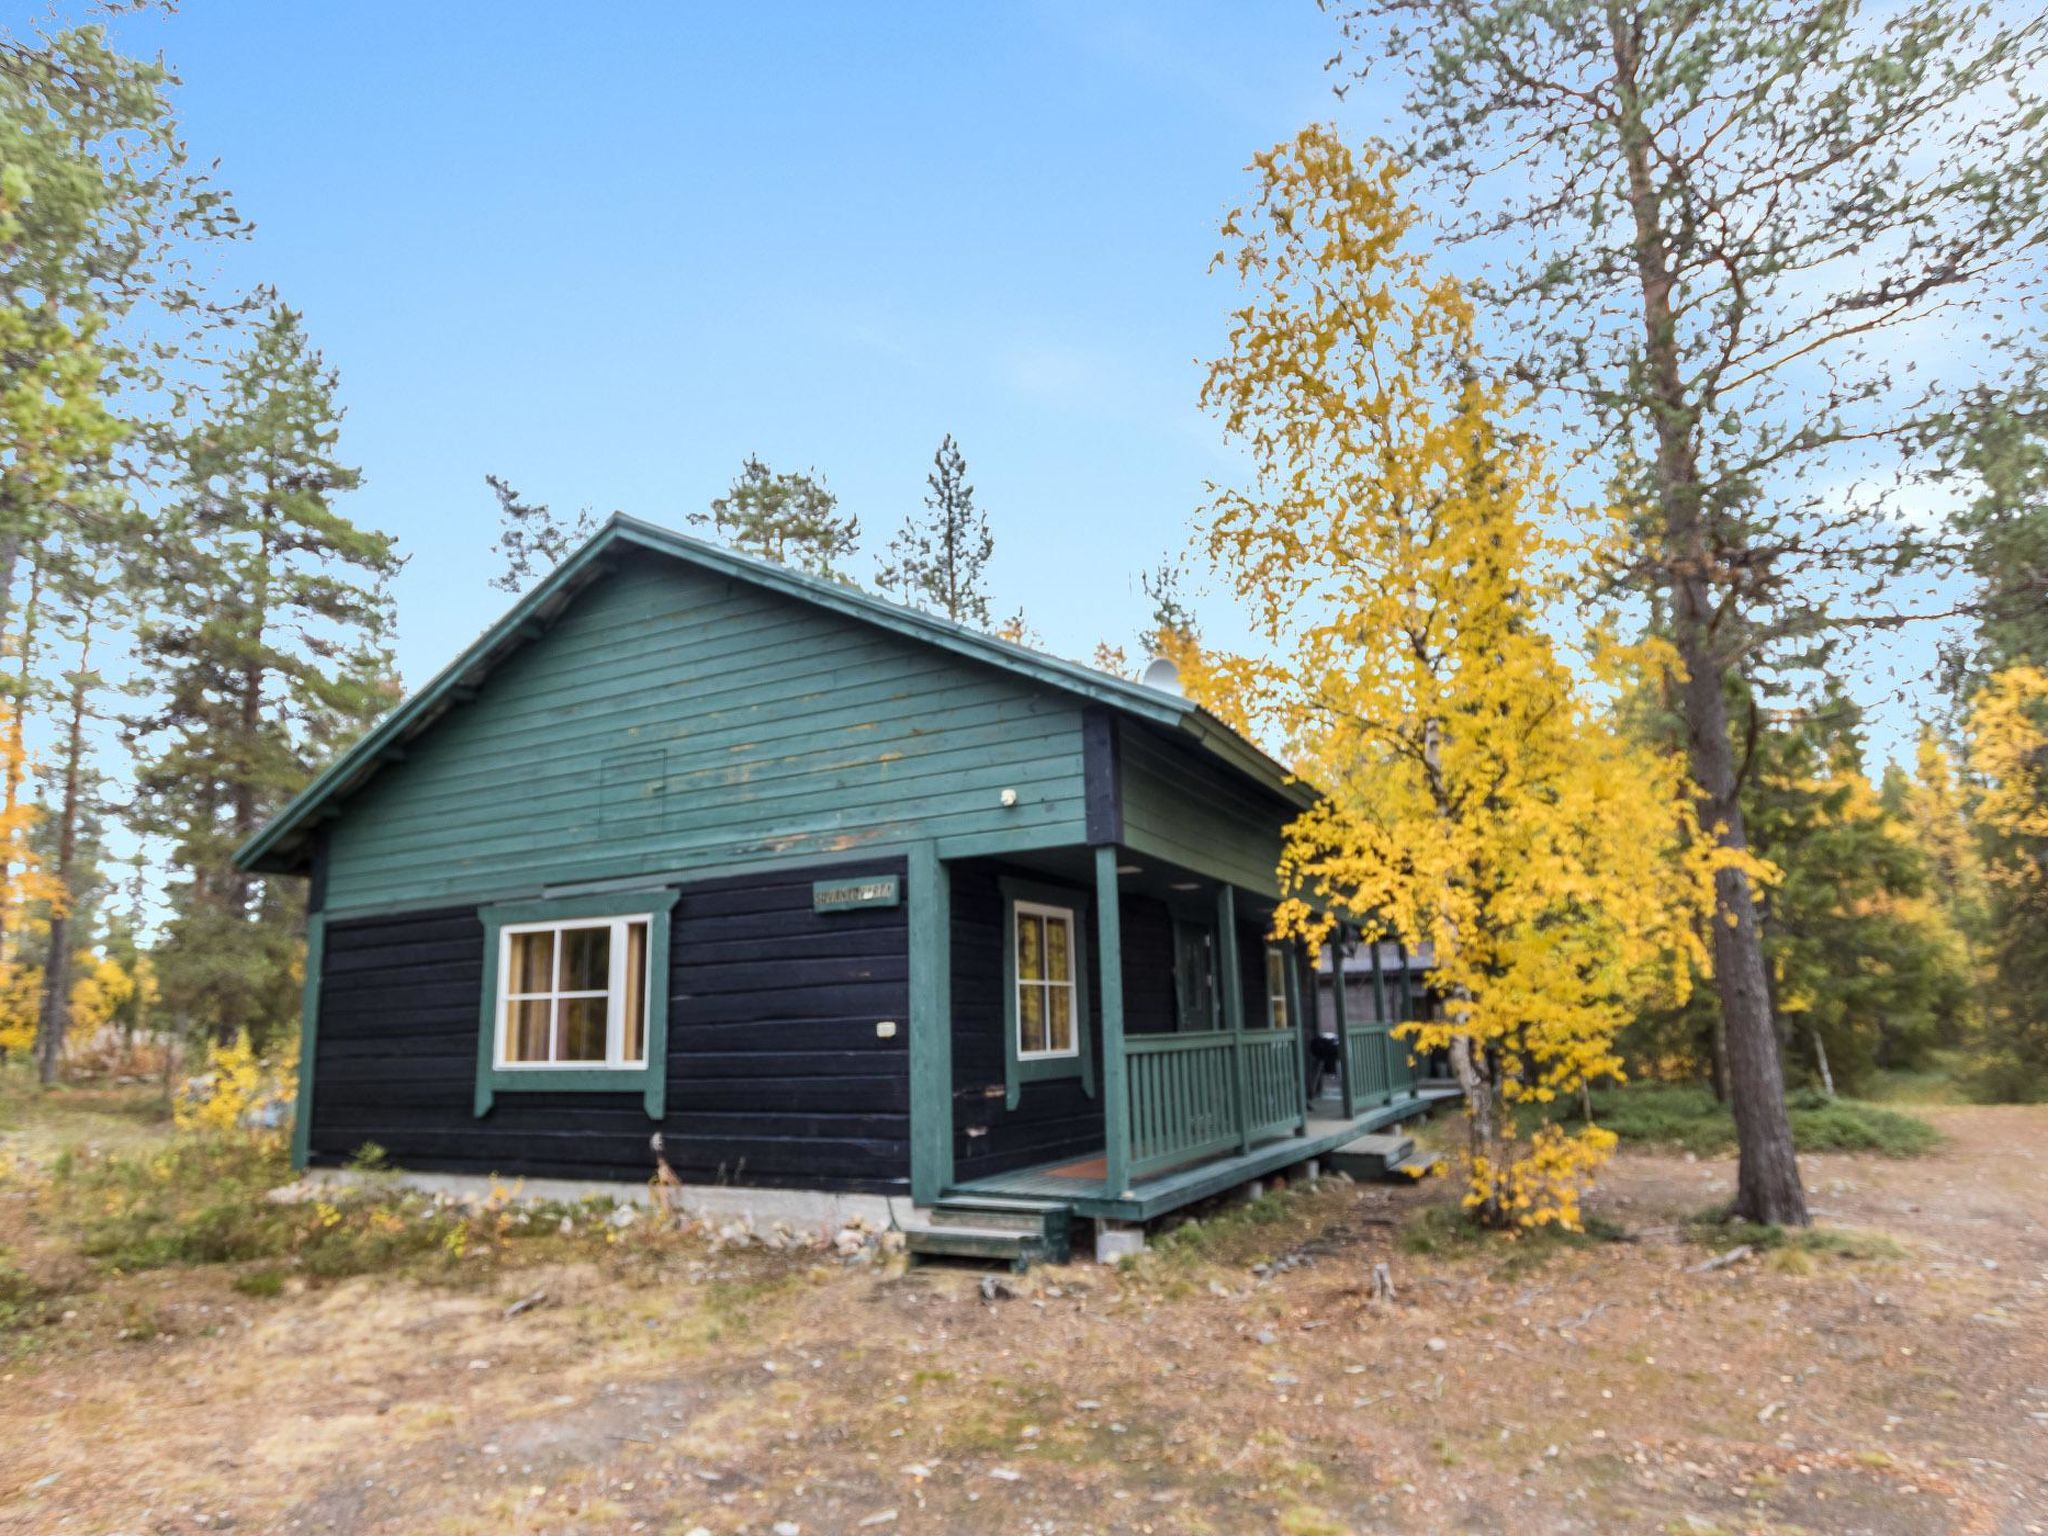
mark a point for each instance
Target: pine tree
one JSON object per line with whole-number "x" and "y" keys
{"x": 89, "y": 590}
{"x": 791, "y": 519}
{"x": 532, "y": 539}
{"x": 100, "y": 213}
{"x": 270, "y": 655}
{"x": 938, "y": 561}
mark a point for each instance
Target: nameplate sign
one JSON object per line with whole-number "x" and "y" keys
{"x": 859, "y": 891}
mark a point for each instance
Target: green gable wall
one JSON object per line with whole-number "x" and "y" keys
{"x": 1179, "y": 805}
{"x": 673, "y": 719}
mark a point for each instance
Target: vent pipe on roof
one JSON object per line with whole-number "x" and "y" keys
{"x": 1161, "y": 673}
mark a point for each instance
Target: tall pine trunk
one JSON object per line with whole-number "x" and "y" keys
{"x": 56, "y": 1008}
{"x": 15, "y": 751}
{"x": 1767, "y": 1185}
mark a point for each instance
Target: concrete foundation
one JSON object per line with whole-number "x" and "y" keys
{"x": 798, "y": 1209}
{"x": 1118, "y": 1240}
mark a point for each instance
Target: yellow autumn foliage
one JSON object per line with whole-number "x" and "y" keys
{"x": 238, "y": 1091}
{"x": 1404, "y": 549}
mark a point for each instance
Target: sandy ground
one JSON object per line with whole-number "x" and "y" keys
{"x": 1609, "y": 1387}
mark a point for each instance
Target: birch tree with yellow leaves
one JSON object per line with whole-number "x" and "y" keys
{"x": 1403, "y": 548}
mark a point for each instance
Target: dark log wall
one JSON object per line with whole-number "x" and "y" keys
{"x": 1056, "y": 1119}
{"x": 776, "y": 1074}
{"x": 1052, "y": 1120}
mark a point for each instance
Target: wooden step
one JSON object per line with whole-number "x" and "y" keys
{"x": 1369, "y": 1157}
{"x": 1415, "y": 1166}
{"x": 1016, "y": 1230}
{"x": 1002, "y": 1245}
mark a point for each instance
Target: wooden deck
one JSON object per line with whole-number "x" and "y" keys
{"x": 1080, "y": 1184}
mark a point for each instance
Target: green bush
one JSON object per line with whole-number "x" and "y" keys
{"x": 1688, "y": 1118}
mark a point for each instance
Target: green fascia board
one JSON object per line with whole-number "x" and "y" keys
{"x": 649, "y": 1080}
{"x": 271, "y": 850}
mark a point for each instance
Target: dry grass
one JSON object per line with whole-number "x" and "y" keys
{"x": 1885, "y": 1380}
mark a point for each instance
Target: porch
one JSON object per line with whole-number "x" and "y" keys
{"x": 1196, "y": 1064}
{"x": 1084, "y": 1187}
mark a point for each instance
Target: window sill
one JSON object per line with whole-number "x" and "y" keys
{"x": 644, "y": 1081}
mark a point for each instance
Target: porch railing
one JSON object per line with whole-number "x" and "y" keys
{"x": 1381, "y": 1068}
{"x": 1183, "y": 1097}
{"x": 1272, "y": 1083}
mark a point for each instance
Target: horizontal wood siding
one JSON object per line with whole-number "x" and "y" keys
{"x": 1150, "y": 1006}
{"x": 672, "y": 719}
{"x": 1053, "y": 1119}
{"x": 776, "y": 1075}
{"x": 1182, "y": 806}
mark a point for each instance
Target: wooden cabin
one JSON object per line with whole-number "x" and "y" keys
{"x": 833, "y": 895}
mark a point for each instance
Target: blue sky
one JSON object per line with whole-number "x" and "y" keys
{"x": 609, "y": 251}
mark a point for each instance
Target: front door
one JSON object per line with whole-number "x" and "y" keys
{"x": 1194, "y": 974}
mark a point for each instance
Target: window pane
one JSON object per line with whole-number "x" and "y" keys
{"x": 636, "y": 992}
{"x": 1030, "y": 1018}
{"x": 526, "y": 1034}
{"x": 1062, "y": 1033}
{"x": 1057, "y": 934}
{"x": 1030, "y": 947}
{"x": 586, "y": 960}
{"x": 579, "y": 1029}
{"x": 533, "y": 962}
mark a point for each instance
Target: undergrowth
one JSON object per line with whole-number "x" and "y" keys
{"x": 205, "y": 1200}
{"x": 1689, "y": 1119}
{"x": 1711, "y": 1229}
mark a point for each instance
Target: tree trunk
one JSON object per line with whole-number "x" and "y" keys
{"x": 1767, "y": 1181}
{"x": 1820, "y": 1056}
{"x": 56, "y": 1011}
{"x": 1768, "y": 1188}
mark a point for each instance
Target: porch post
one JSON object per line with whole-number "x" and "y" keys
{"x": 1386, "y": 1024}
{"x": 1407, "y": 1013}
{"x": 1116, "y": 1094}
{"x": 1233, "y": 1005}
{"x": 1290, "y": 979}
{"x": 1347, "y": 1084}
{"x": 931, "y": 1024}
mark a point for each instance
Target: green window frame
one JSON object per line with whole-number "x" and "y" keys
{"x": 1019, "y": 1067}
{"x": 648, "y": 1077}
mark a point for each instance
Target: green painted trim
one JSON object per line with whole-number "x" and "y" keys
{"x": 309, "y": 1035}
{"x": 930, "y": 939}
{"x": 1081, "y": 1064}
{"x": 1290, "y": 982}
{"x": 639, "y": 880}
{"x": 649, "y": 1081}
{"x": 1346, "y": 1077}
{"x": 1233, "y": 1005}
{"x": 982, "y": 845}
{"x": 1116, "y": 1097}
{"x": 268, "y": 852}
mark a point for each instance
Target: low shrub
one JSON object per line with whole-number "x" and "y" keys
{"x": 1689, "y": 1119}
{"x": 205, "y": 1199}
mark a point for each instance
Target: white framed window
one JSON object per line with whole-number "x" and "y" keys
{"x": 1276, "y": 988}
{"x": 573, "y": 994}
{"x": 1042, "y": 940}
